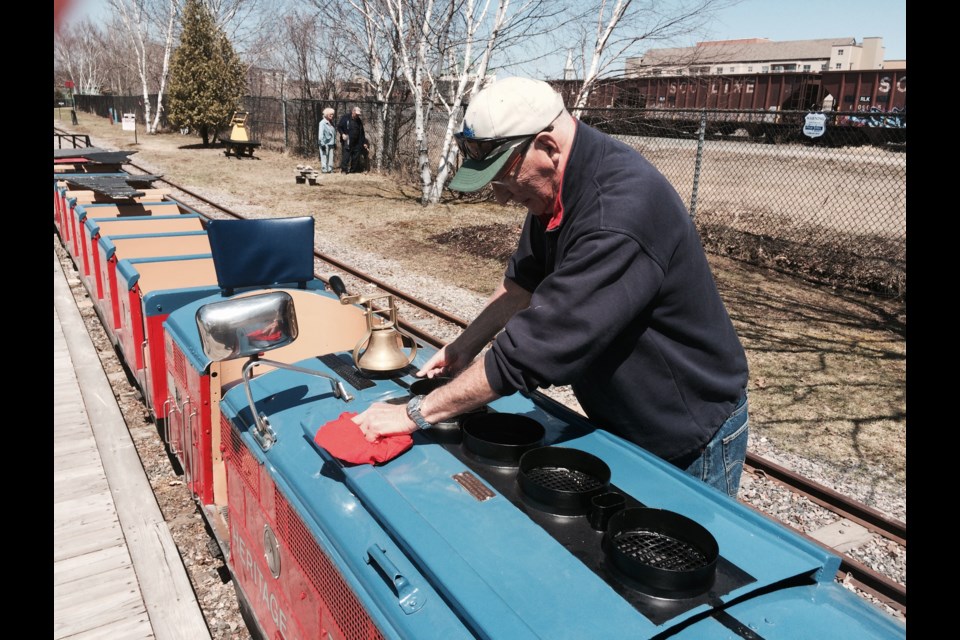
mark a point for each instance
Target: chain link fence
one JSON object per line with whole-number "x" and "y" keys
{"x": 831, "y": 208}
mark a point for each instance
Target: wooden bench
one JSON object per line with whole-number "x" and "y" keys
{"x": 239, "y": 149}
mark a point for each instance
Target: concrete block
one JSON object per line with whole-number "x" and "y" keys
{"x": 843, "y": 535}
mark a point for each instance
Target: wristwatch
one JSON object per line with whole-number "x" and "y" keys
{"x": 413, "y": 412}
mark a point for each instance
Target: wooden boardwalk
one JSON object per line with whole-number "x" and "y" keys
{"x": 117, "y": 573}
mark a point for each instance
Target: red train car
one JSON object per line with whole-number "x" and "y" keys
{"x": 880, "y": 90}
{"x": 753, "y": 92}
{"x": 671, "y": 106}
{"x": 883, "y": 90}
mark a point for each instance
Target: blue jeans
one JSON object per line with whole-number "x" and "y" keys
{"x": 721, "y": 459}
{"x": 326, "y": 159}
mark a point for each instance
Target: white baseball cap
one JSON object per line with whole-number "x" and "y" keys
{"x": 500, "y": 118}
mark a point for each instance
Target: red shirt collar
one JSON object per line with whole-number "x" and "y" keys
{"x": 553, "y": 220}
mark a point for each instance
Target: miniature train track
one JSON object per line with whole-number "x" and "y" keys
{"x": 881, "y": 587}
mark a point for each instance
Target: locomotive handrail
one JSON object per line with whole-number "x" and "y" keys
{"x": 183, "y": 413}
{"x": 264, "y": 434}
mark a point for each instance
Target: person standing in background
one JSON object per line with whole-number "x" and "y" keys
{"x": 343, "y": 130}
{"x": 327, "y": 136}
{"x": 357, "y": 138}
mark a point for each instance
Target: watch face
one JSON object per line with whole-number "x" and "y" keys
{"x": 413, "y": 412}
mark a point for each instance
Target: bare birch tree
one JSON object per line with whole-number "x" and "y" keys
{"x": 381, "y": 66}
{"x": 248, "y": 24}
{"x": 620, "y": 26}
{"x": 300, "y": 54}
{"x": 78, "y": 53}
{"x": 445, "y": 49}
{"x": 146, "y": 22}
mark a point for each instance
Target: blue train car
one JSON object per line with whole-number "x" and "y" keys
{"x": 455, "y": 539}
{"x": 496, "y": 525}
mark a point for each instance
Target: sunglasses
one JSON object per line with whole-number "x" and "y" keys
{"x": 517, "y": 159}
{"x": 480, "y": 149}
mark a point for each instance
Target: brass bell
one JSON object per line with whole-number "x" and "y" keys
{"x": 383, "y": 352}
{"x": 380, "y": 350}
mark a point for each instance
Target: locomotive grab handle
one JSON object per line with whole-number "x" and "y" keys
{"x": 182, "y": 431}
{"x": 166, "y": 419}
{"x": 143, "y": 353}
{"x": 263, "y": 433}
{"x": 174, "y": 442}
{"x": 194, "y": 450}
{"x": 408, "y": 596}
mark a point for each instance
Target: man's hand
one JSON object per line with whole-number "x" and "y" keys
{"x": 448, "y": 361}
{"x": 383, "y": 419}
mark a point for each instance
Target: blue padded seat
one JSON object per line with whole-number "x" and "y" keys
{"x": 255, "y": 253}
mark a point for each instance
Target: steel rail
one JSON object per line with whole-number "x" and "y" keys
{"x": 888, "y": 591}
{"x": 426, "y": 306}
{"x": 862, "y": 514}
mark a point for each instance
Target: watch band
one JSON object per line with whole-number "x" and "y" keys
{"x": 413, "y": 412}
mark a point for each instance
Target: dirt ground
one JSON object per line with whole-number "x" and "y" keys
{"x": 828, "y": 367}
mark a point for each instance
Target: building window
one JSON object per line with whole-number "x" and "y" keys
{"x": 838, "y": 66}
{"x": 749, "y": 69}
{"x": 839, "y": 52}
{"x": 823, "y": 67}
{"x": 765, "y": 69}
{"x": 719, "y": 70}
{"x": 733, "y": 69}
{"x": 806, "y": 67}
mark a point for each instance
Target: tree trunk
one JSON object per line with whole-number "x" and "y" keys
{"x": 165, "y": 71}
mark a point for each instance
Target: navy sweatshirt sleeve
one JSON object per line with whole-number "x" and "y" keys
{"x": 605, "y": 281}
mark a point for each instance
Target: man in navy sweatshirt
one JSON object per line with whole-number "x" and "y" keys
{"x": 609, "y": 291}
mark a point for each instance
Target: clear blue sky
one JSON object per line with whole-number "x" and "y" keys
{"x": 773, "y": 19}
{"x": 811, "y": 19}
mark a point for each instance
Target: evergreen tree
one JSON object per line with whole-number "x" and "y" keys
{"x": 207, "y": 79}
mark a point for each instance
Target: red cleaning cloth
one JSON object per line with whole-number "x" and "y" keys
{"x": 263, "y": 335}
{"x": 344, "y": 440}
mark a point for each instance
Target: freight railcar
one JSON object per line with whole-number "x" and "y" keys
{"x": 519, "y": 520}
{"x": 769, "y": 107}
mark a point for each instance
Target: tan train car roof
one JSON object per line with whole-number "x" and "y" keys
{"x": 115, "y": 210}
{"x": 155, "y": 247}
{"x": 175, "y": 274}
{"x": 121, "y": 227}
